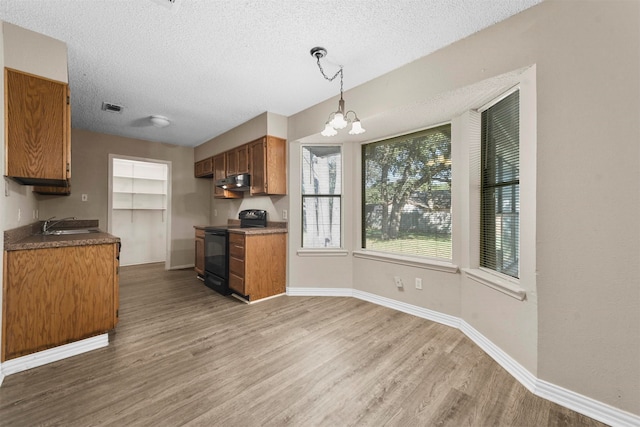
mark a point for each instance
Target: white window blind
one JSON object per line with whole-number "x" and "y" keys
{"x": 500, "y": 187}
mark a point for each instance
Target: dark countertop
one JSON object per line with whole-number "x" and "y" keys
{"x": 254, "y": 231}
{"x": 274, "y": 227}
{"x": 30, "y": 237}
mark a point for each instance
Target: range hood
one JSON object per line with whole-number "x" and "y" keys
{"x": 240, "y": 182}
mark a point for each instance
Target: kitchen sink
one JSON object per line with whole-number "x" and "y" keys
{"x": 72, "y": 231}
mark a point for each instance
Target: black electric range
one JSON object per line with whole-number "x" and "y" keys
{"x": 216, "y": 248}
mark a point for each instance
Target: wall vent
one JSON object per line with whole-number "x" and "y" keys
{"x": 112, "y": 108}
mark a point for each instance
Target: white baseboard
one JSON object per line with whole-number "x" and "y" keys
{"x": 182, "y": 267}
{"x": 40, "y": 358}
{"x": 424, "y": 313}
{"x": 586, "y": 405}
{"x": 577, "y": 402}
{"x": 516, "y": 370}
{"x": 320, "y": 292}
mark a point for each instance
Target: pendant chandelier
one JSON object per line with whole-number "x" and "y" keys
{"x": 338, "y": 119}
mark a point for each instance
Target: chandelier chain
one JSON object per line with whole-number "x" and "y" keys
{"x": 334, "y": 76}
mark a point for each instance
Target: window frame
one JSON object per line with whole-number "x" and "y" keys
{"x": 334, "y": 249}
{"x": 488, "y": 233}
{"x": 437, "y": 263}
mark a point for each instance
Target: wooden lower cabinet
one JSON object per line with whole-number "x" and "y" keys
{"x": 199, "y": 252}
{"x": 55, "y": 296}
{"x": 257, "y": 264}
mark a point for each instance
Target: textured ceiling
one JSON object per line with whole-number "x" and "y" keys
{"x": 210, "y": 65}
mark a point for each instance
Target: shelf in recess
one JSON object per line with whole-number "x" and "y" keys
{"x": 137, "y": 178}
{"x": 142, "y": 193}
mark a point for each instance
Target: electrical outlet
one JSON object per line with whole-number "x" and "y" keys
{"x": 215, "y": 212}
{"x": 418, "y": 283}
{"x": 398, "y": 282}
{"x": 19, "y": 214}
{"x": 85, "y": 197}
{"x": 284, "y": 214}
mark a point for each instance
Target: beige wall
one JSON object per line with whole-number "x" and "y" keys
{"x": 579, "y": 328}
{"x": 90, "y": 159}
{"x": 35, "y": 53}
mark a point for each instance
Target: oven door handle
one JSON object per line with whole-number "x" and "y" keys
{"x": 216, "y": 232}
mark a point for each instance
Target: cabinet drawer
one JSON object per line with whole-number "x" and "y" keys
{"x": 236, "y": 266}
{"x": 236, "y": 250}
{"x": 236, "y": 238}
{"x": 199, "y": 233}
{"x": 236, "y": 283}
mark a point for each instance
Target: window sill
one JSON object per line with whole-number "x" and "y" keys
{"x": 429, "y": 264}
{"x": 493, "y": 281}
{"x": 322, "y": 252}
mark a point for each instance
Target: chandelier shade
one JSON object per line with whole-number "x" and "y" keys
{"x": 339, "y": 119}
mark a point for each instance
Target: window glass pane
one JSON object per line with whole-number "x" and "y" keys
{"x": 321, "y": 196}
{"x": 321, "y": 170}
{"x": 500, "y": 199}
{"x": 321, "y": 222}
{"x": 407, "y": 194}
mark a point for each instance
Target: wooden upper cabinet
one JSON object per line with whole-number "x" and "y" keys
{"x": 232, "y": 162}
{"x": 242, "y": 157}
{"x": 204, "y": 168}
{"x": 220, "y": 172}
{"x": 238, "y": 160}
{"x": 38, "y": 129}
{"x": 268, "y": 166}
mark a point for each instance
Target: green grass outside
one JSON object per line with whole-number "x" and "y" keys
{"x": 412, "y": 244}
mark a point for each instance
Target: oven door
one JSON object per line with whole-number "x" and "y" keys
{"x": 216, "y": 259}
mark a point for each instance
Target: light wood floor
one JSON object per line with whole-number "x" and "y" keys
{"x": 184, "y": 355}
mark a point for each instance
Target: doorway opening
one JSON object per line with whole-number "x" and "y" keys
{"x": 139, "y": 208}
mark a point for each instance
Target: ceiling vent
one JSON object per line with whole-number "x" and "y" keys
{"x": 112, "y": 108}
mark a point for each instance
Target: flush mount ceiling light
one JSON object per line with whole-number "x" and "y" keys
{"x": 159, "y": 121}
{"x": 338, "y": 119}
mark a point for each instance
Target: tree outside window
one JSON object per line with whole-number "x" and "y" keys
{"x": 407, "y": 194}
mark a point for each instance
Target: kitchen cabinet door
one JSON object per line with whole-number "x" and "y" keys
{"x": 242, "y": 157}
{"x": 268, "y": 166}
{"x": 204, "y": 168}
{"x": 220, "y": 172}
{"x": 55, "y": 296}
{"x": 37, "y": 155}
{"x": 238, "y": 160}
{"x": 232, "y": 162}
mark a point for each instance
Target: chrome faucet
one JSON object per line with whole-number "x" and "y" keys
{"x": 47, "y": 224}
